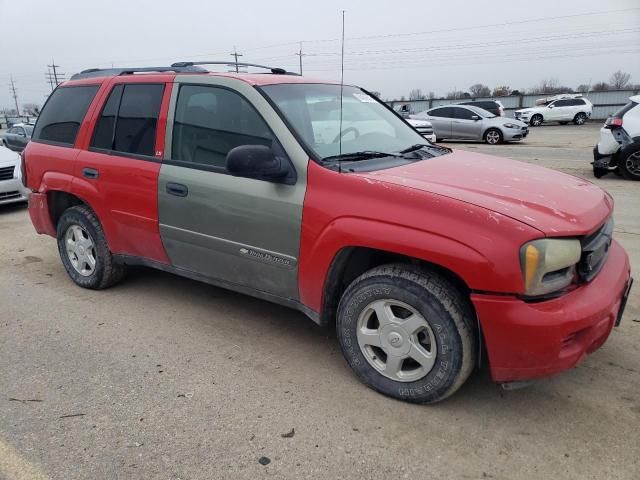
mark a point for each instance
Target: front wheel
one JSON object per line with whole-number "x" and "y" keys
{"x": 407, "y": 333}
{"x": 579, "y": 119}
{"x": 84, "y": 251}
{"x": 493, "y": 136}
{"x": 536, "y": 120}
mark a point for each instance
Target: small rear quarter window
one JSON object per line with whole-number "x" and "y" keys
{"x": 63, "y": 113}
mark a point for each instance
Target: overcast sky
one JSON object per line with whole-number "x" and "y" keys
{"x": 390, "y": 47}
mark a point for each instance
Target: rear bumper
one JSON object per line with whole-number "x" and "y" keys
{"x": 39, "y": 213}
{"x": 532, "y": 340}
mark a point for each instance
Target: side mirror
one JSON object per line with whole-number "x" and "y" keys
{"x": 256, "y": 161}
{"x": 475, "y": 117}
{"x": 550, "y": 106}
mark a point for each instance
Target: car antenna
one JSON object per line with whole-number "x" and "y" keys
{"x": 341, "y": 86}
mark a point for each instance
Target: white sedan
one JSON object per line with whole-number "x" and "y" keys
{"x": 11, "y": 188}
{"x": 423, "y": 127}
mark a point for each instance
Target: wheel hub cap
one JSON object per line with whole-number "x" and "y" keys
{"x": 80, "y": 250}
{"x": 396, "y": 340}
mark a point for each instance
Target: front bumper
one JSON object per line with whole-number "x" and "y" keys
{"x": 511, "y": 134}
{"x": 531, "y": 340}
{"x": 12, "y": 191}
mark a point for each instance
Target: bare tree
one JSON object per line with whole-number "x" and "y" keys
{"x": 479, "y": 90}
{"x": 416, "y": 94}
{"x": 431, "y": 96}
{"x": 582, "y": 88}
{"x": 619, "y": 80}
{"x": 502, "y": 91}
{"x": 600, "y": 87}
{"x": 375, "y": 94}
{"x": 457, "y": 94}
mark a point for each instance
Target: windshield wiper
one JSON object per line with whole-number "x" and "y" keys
{"x": 419, "y": 146}
{"x": 364, "y": 155}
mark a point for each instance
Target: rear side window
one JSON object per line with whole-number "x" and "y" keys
{"x": 129, "y": 119}
{"x": 442, "y": 112}
{"x": 63, "y": 113}
{"x": 211, "y": 121}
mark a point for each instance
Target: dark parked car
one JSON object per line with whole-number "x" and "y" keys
{"x": 493, "y": 106}
{"x": 17, "y": 137}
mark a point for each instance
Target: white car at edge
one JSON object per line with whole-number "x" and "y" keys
{"x": 11, "y": 188}
{"x": 619, "y": 145}
{"x": 563, "y": 108}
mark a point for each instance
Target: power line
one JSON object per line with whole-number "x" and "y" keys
{"x": 54, "y": 77}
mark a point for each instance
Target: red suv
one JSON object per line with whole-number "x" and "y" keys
{"x": 321, "y": 198}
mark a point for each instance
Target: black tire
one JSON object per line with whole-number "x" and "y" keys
{"x": 629, "y": 162}
{"x": 599, "y": 172}
{"x": 439, "y": 302}
{"x": 491, "y": 140}
{"x": 580, "y": 118}
{"x": 563, "y": 123}
{"x": 106, "y": 272}
{"x": 536, "y": 120}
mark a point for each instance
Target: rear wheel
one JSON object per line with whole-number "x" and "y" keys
{"x": 629, "y": 163}
{"x": 407, "y": 333}
{"x": 580, "y": 118}
{"x": 84, "y": 251}
{"x": 536, "y": 120}
{"x": 493, "y": 136}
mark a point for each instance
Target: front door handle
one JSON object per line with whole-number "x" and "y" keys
{"x": 177, "y": 189}
{"x": 91, "y": 173}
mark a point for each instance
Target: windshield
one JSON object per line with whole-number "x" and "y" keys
{"x": 313, "y": 110}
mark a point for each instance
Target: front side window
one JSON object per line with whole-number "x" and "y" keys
{"x": 464, "y": 114}
{"x": 313, "y": 111}
{"x": 129, "y": 119}
{"x": 210, "y": 121}
{"x": 446, "y": 112}
{"x": 63, "y": 113}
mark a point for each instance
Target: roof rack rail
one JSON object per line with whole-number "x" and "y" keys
{"x": 109, "y": 72}
{"x": 274, "y": 70}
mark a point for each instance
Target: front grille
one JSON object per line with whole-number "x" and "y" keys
{"x": 595, "y": 249}
{"x": 9, "y": 195}
{"x": 6, "y": 173}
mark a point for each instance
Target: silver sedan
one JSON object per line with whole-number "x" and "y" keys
{"x": 465, "y": 122}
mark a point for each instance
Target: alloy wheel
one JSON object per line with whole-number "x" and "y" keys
{"x": 632, "y": 163}
{"x": 80, "y": 249}
{"x": 396, "y": 340}
{"x": 493, "y": 137}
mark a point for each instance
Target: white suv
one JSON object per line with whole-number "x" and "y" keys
{"x": 619, "y": 145}
{"x": 559, "y": 108}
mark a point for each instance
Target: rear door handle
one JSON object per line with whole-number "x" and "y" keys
{"x": 91, "y": 173}
{"x": 177, "y": 189}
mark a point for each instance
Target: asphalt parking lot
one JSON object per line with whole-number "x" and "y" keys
{"x": 163, "y": 377}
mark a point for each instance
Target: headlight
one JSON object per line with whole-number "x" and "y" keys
{"x": 511, "y": 125}
{"x": 549, "y": 264}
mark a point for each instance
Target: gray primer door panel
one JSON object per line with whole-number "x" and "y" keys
{"x": 240, "y": 230}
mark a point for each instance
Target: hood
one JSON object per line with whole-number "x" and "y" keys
{"x": 555, "y": 203}
{"x": 537, "y": 108}
{"x": 419, "y": 123}
{"x": 8, "y": 157}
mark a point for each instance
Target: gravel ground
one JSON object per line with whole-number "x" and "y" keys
{"x": 163, "y": 377}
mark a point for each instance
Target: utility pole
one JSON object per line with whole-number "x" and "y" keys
{"x": 55, "y": 78}
{"x": 300, "y": 54}
{"x": 235, "y": 54}
{"x": 49, "y": 78}
{"x": 14, "y": 94}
